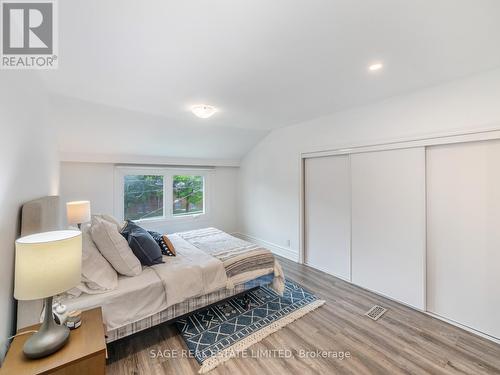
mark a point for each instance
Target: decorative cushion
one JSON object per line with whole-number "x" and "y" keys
{"x": 165, "y": 244}
{"x": 142, "y": 244}
{"x": 114, "y": 247}
{"x": 98, "y": 275}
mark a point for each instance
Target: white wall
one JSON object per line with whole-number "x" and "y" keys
{"x": 28, "y": 161}
{"x": 270, "y": 173}
{"x": 95, "y": 182}
{"x": 88, "y": 181}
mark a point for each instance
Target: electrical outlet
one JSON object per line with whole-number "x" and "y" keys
{"x": 287, "y": 243}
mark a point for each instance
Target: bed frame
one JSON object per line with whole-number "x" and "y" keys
{"x": 172, "y": 313}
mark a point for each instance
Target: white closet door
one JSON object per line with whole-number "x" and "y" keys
{"x": 463, "y": 226}
{"x": 388, "y": 223}
{"x": 328, "y": 214}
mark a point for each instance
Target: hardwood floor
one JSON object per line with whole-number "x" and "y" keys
{"x": 403, "y": 341}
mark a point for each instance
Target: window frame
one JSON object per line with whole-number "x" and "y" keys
{"x": 168, "y": 173}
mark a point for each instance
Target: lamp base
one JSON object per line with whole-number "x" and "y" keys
{"x": 50, "y": 337}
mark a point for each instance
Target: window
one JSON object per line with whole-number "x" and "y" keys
{"x": 143, "y": 197}
{"x": 187, "y": 195}
{"x": 160, "y": 194}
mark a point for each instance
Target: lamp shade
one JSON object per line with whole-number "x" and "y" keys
{"x": 47, "y": 264}
{"x": 78, "y": 212}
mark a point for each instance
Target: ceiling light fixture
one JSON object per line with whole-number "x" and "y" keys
{"x": 203, "y": 110}
{"x": 375, "y": 67}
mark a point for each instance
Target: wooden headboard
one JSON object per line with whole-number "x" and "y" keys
{"x": 39, "y": 215}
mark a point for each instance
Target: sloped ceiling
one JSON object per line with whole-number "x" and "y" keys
{"x": 86, "y": 128}
{"x": 129, "y": 70}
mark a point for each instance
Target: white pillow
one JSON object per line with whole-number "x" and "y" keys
{"x": 97, "y": 274}
{"x": 114, "y": 247}
{"x": 111, "y": 219}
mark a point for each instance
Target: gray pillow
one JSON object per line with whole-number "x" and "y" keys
{"x": 144, "y": 246}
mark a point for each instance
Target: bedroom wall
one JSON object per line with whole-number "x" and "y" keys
{"x": 28, "y": 160}
{"x": 269, "y": 174}
{"x": 95, "y": 182}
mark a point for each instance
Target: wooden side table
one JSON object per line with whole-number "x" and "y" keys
{"x": 84, "y": 353}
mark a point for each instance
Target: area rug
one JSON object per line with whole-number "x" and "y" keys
{"x": 221, "y": 331}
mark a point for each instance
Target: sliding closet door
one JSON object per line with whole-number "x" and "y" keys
{"x": 328, "y": 214}
{"x": 388, "y": 223}
{"x": 463, "y": 226}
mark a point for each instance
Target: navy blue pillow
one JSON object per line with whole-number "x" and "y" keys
{"x": 145, "y": 248}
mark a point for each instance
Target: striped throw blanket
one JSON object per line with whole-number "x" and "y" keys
{"x": 242, "y": 260}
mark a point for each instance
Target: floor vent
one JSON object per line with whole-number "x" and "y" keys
{"x": 375, "y": 312}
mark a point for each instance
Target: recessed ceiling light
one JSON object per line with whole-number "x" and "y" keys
{"x": 375, "y": 67}
{"x": 203, "y": 110}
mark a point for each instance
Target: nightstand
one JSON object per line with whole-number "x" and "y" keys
{"x": 84, "y": 353}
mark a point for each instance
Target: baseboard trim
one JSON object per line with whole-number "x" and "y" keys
{"x": 426, "y": 312}
{"x": 464, "y": 327}
{"x": 329, "y": 273}
{"x": 276, "y": 249}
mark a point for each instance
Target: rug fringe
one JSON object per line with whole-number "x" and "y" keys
{"x": 231, "y": 351}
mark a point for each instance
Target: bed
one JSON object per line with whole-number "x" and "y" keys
{"x": 210, "y": 267}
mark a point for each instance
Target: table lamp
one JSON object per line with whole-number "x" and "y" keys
{"x": 47, "y": 264}
{"x": 78, "y": 212}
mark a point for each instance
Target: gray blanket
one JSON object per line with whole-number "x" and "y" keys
{"x": 241, "y": 259}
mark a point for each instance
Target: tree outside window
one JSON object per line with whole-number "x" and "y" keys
{"x": 143, "y": 197}
{"x": 188, "y": 195}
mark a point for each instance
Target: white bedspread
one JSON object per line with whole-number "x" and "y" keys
{"x": 191, "y": 273}
{"x": 135, "y": 298}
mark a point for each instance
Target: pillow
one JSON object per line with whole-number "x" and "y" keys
{"x": 142, "y": 244}
{"x": 114, "y": 247}
{"x": 111, "y": 219}
{"x": 97, "y": 274}
{"x": 165, "y": 244}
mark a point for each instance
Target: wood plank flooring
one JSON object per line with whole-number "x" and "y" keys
{"x": 403, "y": 341}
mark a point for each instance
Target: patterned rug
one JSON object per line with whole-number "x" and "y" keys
{"x": 221, "y": 331}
